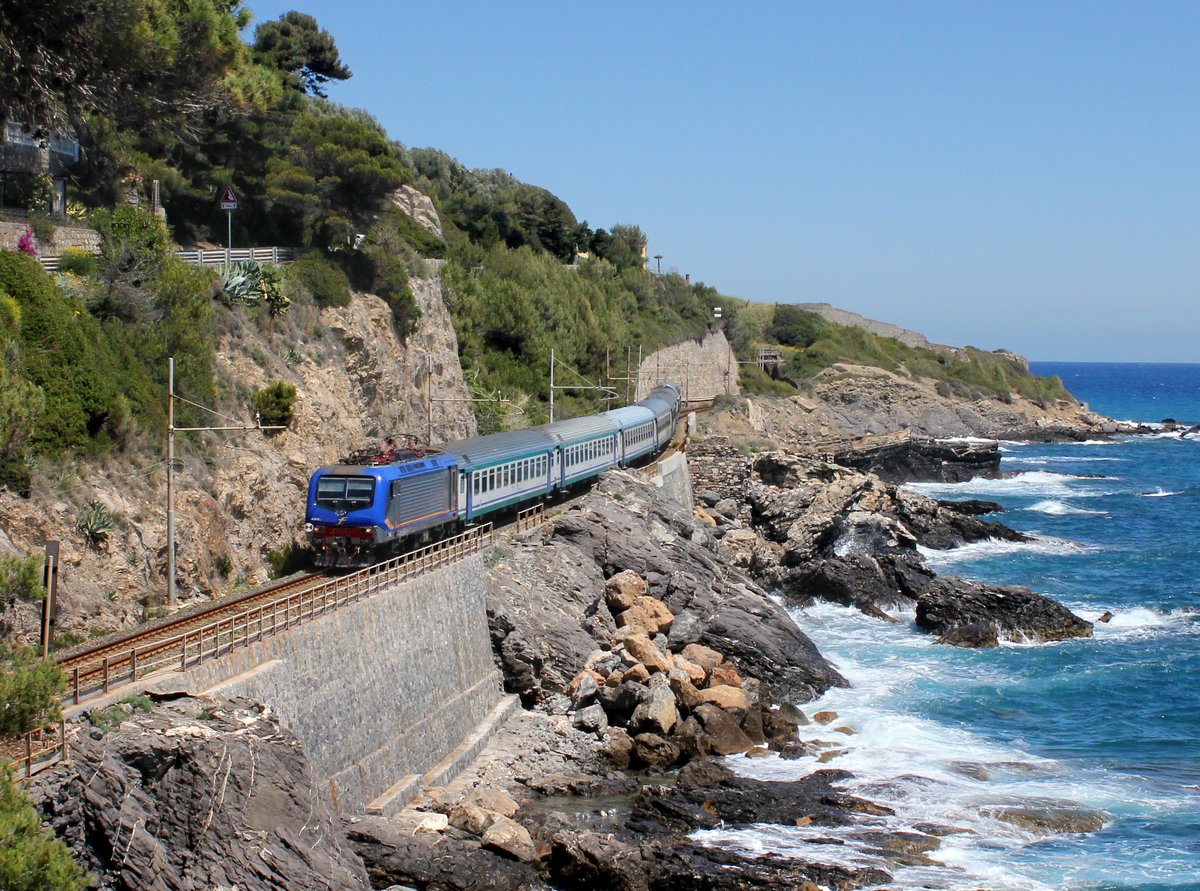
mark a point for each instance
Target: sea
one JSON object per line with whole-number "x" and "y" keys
{"x": 1106, "y": 728}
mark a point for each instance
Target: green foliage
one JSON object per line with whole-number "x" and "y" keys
{"x": 335, "y": 177}
{"x": 969, "y": 372}
{"x": 275, "y": 403}
{"x": 109, "y": 719}
{"x": 753, "y": 380}
{"x": 250, "y": 282}
{"x": 133, "y": 248}
{"x": 304, "y": 53}
{"x": 313, "y": 276}
{"x": 30, "y": 690}
{"x": 21, "y": 578}
{"x": 96, "y": 523}
{"x": 21, "y": 406}
{"x": 32, "y": 858}
{"x": 287, "y": 559}
{"x": 78, "y": 262}
{"x": 134, "y": 61}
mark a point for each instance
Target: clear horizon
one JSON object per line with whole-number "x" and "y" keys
{"x": 1020, "y": 175}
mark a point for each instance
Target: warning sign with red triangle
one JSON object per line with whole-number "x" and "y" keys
{"x": 229, "y": 199}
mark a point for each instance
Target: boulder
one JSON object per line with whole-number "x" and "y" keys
{"x": 619, "y": 702}
{"x": 725, "y": 735}
{"x": 623, "y": 589}
{"x": 584, "y": 687}
{"x": 731, "y": 699}
{"x": 648, "y": 615}
{"x": 657, "y": 714}
{"x": 618, "y": 746}
{"x": 591, "y": 719}
{"x": 510, "y": 838}
{"x": 643, "y": 650}
{"x": 704, "y": 657}
{"x": 724, "y": 675}
{"x": 470, "y": 817}
{"x": 493, "y": 800}
{"x": 655, "y": 751}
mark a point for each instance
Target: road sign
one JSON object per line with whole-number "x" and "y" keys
{"x": 229, "y": 199}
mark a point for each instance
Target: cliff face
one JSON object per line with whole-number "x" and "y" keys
{"x": 242, "y": 496}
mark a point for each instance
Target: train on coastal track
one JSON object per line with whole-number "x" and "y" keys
{"x": 380, "y": 502}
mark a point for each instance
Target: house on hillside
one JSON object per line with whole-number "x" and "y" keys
{"x": 30, "y": 163}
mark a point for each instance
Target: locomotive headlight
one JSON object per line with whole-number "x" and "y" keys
{"x": 308, "y": 527}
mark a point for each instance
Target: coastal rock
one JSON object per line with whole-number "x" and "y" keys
{"x": 198, "y": 792}
{"x": 510, "y": 837}
{"x": 946, "y": 605}
{"x": 395, "y": 853}
{"x": 1050, "y": 817}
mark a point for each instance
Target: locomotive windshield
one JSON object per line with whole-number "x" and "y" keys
{"x": 345, "y": 492}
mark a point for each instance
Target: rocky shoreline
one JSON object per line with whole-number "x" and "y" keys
{"x": 651, "y": 646}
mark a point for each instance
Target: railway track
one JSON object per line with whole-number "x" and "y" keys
{"x": 190, "y": 638}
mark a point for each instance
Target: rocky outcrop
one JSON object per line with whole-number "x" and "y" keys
{"x": 196, "y": 793}
{"x": 548, "y": 612}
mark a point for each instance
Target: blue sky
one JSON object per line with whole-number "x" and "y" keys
{"x": 1020, "y": 175}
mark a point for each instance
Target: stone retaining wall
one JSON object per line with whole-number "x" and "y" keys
{"x": 717, "y": 466}
{"x": 64, "y": 237}
{"x": 380, "y": 691}
{"x": 702, "y": 368}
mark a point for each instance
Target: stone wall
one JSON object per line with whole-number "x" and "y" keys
{"x": 64, "y": 237}
{"x": 672, "y": 476}
{"x": 702, "y": 368}
{"x": 378, "y": 692}
{"x": 717, "y": 466}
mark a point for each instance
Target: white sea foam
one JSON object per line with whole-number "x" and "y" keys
{"x": 1161, "y": 493}
{"x": 927, "y": 772}
{"x": 1062, "y": 459}
{"x": 994, "y": 547}
{"x": 1029, "y": 482}
{"x": 1139, "y": 622}
{"x": 1062, "y": 509}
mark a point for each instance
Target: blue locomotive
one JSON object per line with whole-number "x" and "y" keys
{"x": 377, "y": 503}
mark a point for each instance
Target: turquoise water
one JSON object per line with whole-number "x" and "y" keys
{"x": 1107, "y": 725}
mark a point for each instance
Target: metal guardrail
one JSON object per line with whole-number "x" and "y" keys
{"x": 220, "y": 257}
{"x": 194, "y": 647}
{"x": 214, "y": 257}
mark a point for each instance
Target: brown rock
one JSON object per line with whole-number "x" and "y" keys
{"x": 510, "y": 838}
{"x": 724, "y": 675}
{"x": 694, "y": 672}
{"x": 492, "y": 800}
{"x": 693, "y": 741}
{"x": 706, "y": 658}
{"x": 1050, "y": 818}
{"x": 752, "y": 723}
{"x": 827, "y": 717}
{"x": 644, "y": 651}
{"x": 648, "y": 615}
{"x": 618, "y": 746}
{"x": 756, "y": 752}
{"x": 1106, "y": 617}
{"x": 728, "y": 698}
{"x": 827, "y": 756}
{"x": 577, "y": 681}
{"x": 686, "y": 693}
{"x": 638, "y": 673}
{"x": 849, "y": 731}
{"x": 725, "y": 737}
{"x": 655, "y": 751}
{"x": 623, "y": 589}
{"x": 471, "y": 818}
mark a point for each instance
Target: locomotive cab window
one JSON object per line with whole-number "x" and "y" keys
{"x": 345, "y": 492}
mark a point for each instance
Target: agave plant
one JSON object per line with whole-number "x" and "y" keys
{"x": 95, "y": 523}
{"x": 250, "y": 282}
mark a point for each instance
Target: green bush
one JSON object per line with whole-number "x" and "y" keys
{"x": 82, "y": 263}
{"x": 21, "y": 578}
{"x": 30, "y": 690}
{"x": 287, "y": 559}
{"x": 319, "y": 279}
{"x": 32, "y": 858}
{"x": 275, "y": 403}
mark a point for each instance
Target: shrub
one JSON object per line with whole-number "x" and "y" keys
{"x": 21, "y": 578}
{"x": 26, "y": 244}
{"x": 315, "y": 276}
{"x": 275, "y": 404}
{"x": 251, "y": 282}
{"x": 82, "y": 263}
{"x": 43, "y": 229}
{"x": 286, "y": 559}
{"x": 30, "y": 690}
{"x": 32, "y": 858}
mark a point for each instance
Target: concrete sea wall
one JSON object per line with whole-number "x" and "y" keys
{"x": 380, "y": 692}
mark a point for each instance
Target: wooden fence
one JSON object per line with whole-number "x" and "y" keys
{"x": 39, "y": 753}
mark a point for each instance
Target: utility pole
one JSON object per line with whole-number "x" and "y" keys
{"x": 171, "y": 431}
{"x": 50, "y": 583}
